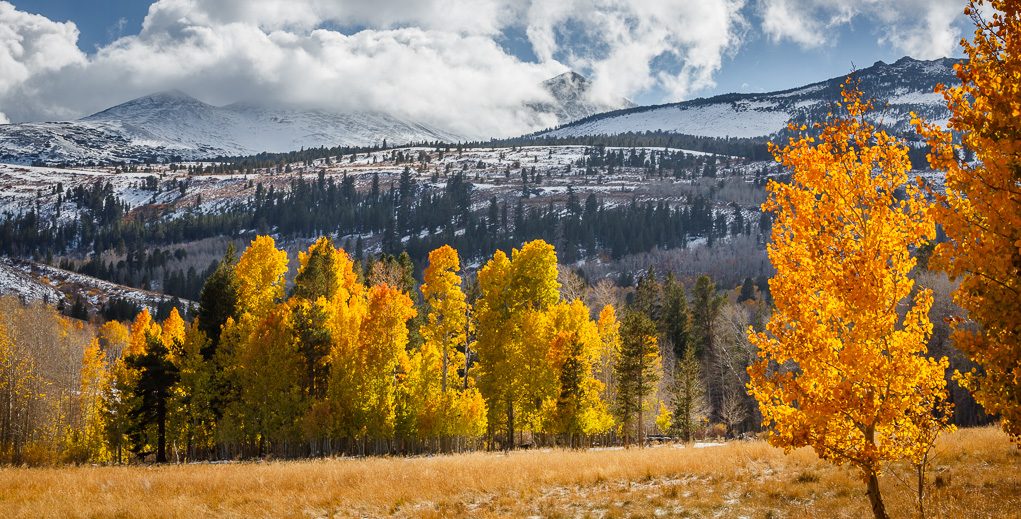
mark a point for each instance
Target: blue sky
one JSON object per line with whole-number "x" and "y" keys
{"x": 422, "y": 57}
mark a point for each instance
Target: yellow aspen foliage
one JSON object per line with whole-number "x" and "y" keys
{"x": 88, "y": 438}
{"x": 512, "y": 333}
{"x": 348, "y": 309}
{"x": 575, "y": 407}
{"x": 843, "y": 368}
{"x": 441, "y": 402}
{"x": 981, "y": 208}
{"x": 172, "y": 334}
{"x": 192, "y": 406}
{"x": 446, "y": 325}
{"x": 266, "y": 368}
{"x": 113, "y": 338}
{"x": 609, "y": 351}
{"x": 260, "y": 276}
{"x": 466, "y": 415}
{"x": 141, "y": 329}
{"x": 383, "y": 360}
{"x": 664, "y": 419}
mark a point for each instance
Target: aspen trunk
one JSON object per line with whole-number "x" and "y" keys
{"x": 876, "y": 498}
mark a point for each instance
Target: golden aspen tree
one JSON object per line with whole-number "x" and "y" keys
{"x": 267, "y": 368}
{"x": 338, "y": 413}
{"x": 193, "y": 417}
{"x": 512, "y": 324}
{"x": 446, "y": 325}
{"x": 262, "y": 365}
{"x": 609, "y": 351}
{"x": 172, "y": 333}
{"x": 113, "y": 338}
{"x": 445, "y": 402}
{"x": 260, "y": 276}
{"x": 575, "y": 408}
{"x": 384, "y": 362}
{"x": 664, "y": 419}
{"x": 141, "y": 329}
{"x": 843, "y": 368}
{"x": 88, "y": 441}
{"x": 981, "y": 209}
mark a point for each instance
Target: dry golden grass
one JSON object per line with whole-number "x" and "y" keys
{"x": 975, "y": 474}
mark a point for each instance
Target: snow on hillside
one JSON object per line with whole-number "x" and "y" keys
{"x": 24, "y": 188}
{"x": 714, "y": 120}
{"x": 174, "y": 125}
{"x": 37, "y": 282}
{"x": 899, "y": 88}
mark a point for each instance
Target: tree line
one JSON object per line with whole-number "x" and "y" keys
{"x": 349, "y": 361}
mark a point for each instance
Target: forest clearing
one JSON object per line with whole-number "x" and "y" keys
{"x": 973, "y": 473}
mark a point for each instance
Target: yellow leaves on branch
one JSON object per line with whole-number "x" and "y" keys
{"x": 981, "y": 209}
{"x": 843, "y": 367}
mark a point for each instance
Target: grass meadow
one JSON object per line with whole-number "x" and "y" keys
{"x": 975, "y": 473}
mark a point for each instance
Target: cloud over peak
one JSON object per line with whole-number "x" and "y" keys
{"x": 435, "y": 61}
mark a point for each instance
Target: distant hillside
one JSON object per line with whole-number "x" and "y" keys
{"x": 175, "y": 126}
{"x": 898, "y": 88}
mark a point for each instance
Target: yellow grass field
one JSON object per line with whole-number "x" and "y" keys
{"x": 976, "y": 473}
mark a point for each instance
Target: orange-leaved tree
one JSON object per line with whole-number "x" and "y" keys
{"x": 843, "y": 368}
{"x": 981, "y": 209}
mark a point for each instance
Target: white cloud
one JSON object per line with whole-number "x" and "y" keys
{"x": 30, "y": 44}
{"x": 4, "y": 119}
{"x": 924, "y": 29}
{"x": 434, "y": 61}
{"x": 624, "y": 38}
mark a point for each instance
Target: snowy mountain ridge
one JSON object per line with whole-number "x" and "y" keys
{"x": 173, "y": 124}
{"x": 898, "y": 88}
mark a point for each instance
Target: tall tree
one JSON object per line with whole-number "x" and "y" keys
{"x": 637, "y": 371}
{"x": 156, "y": 378}
{"x": 516, "y": 292}
{"x": 842, "y": 369}
{"x": 575, "y": 346}
{"x": 688, "y": 390}
{"x": 981, "y": 209}
{"x": 446, "y": 325}
{"x": 675, "y": 320}
{"x": 218, "y": 300}
{"x": 705, "y": 314}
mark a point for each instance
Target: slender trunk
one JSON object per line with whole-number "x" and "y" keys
{"x": 875, "y": 497}
{"x": 510, "y": 425}
{"x": 161, "y": 439}
{"x": 921, "y": 488}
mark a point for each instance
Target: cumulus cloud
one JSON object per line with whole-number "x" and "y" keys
{"x": 924, "y": 29}
{"x": 30, "y": 44}
{"x": 434, "y": 61}
{"x": 623, "y": 40}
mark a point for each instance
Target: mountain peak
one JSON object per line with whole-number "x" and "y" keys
{"x": 570, "y": 77}
{"x": 570, "y": 92}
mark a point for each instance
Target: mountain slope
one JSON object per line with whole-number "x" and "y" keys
{"x": 899, "y": 88}
{"x": 571, "y": 99}
{"x": 173, "y": 124}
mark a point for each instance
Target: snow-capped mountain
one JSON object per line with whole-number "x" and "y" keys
{"x": 571, "y": 99}
{"x": 173, "y": 124}
{"x": 898, "y": 89}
